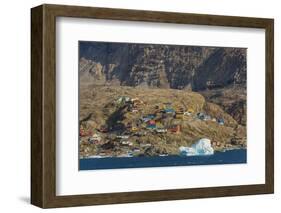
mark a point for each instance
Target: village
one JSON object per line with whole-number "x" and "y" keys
{"x": 136, "y": 129}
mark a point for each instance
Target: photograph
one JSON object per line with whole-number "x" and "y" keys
{"x": 155, "y": 105}
{"x": 140, "y": 105}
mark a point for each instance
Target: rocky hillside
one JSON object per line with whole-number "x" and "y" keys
{"x": 233, "y": 100}
{"x": 208, "y": 70}
{"x": 119, "y": 126}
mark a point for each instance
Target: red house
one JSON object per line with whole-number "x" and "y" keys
{"x": 151, "y": 122}
{"x": 175, "y": 129}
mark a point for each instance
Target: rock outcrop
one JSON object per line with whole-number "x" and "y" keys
{"x": 162, "y": 66}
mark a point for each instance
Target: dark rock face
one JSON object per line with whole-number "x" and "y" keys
{"x": 233, "y": 100}
{"x": 163, "y": 66}
{"x": 238, "y": 111}
{"x": 226, "y": 66}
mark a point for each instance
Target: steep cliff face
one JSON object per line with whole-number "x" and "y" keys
{"x": 225, "y": 66}
{"x": 164, "y": 66}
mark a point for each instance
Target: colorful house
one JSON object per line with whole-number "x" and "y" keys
{"x": 148, "y": 117}
{"x": 158, "y": 123}
{"x": 175, "y": 129}
{"x": 179, "y": 115}
{"x": 151, "y": 116}
{"x": 151, "y": 124}
{"x": 221, "y": 121}
{"x": 201, "y": 116}
{"x": 190, "y": 110}
{"x": 169, "y": 110}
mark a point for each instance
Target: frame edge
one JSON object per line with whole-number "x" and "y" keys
{"x": 269, "y": 138}
{"x": 37, "y": 190}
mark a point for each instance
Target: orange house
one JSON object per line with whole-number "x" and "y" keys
{"x": 175, "y": 129}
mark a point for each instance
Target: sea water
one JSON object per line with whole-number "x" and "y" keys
{"x": 236, "y": 156}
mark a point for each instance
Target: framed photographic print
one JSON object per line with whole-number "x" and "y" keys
{"x": 137, "y": 106}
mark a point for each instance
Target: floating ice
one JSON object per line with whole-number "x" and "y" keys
{"x": 201, "y": 147}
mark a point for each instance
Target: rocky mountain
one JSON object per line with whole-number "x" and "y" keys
{"x": 208, "y": 70}
{"x": 162, "y": 66}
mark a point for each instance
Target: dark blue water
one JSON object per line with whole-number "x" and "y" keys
{"x": 227, "y": 157}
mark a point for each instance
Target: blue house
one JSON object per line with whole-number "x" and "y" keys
{"x": 169, "y": 110}
{"x": 220, "y": 121}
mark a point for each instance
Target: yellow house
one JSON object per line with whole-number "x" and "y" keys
{"x": 179, "y": 115}
{"x": 190, "y": 110}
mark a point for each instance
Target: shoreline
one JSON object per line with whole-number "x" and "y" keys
{"x": 162, "y": 156}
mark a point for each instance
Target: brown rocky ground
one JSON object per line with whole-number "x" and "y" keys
{"x": 103, "y": 115}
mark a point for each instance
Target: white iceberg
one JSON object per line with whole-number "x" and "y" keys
{"x": 201, "y": 147}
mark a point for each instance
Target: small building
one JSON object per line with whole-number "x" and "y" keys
{"x": 190, "y": 110}
{"x": 127, "y": 143}
{"x": 179, "y": 115}
{"x": 187, "y": 113}
{"x": 127, "y": 99}
{"x": 151, "y": 116}
{"x": 151, "y": 126}
{"x": 135, "y": 110}
{"x": 221, "y": 121}
{"x": 123, "y": 99}
{"x": 175, "y": 129}
{"x": 148, "y": 117}
{"x": 151, "y": 122}
{"x": 145, "y": 119}
{"x": 169, "y": 110}
{"x": 123, "y": 136}
{"x": 201, "y": 116}
{"x": 161, "y": 130}
{"x": 207, "y": 118}
{"x": 136, "y": 150}
{"x": 94, "y": 139}
{"x": 159, "y": 123}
